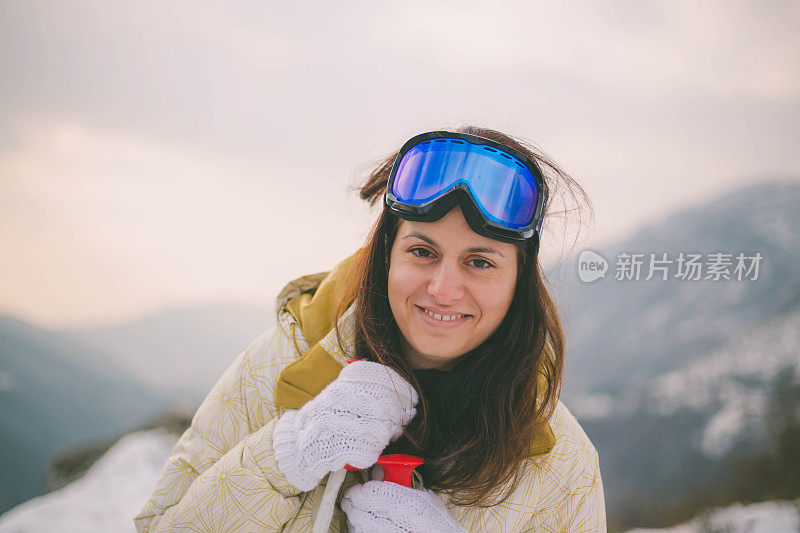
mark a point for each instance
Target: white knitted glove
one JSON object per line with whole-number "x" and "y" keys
{"x": 350, "y": 422}
{"x": 386, "y": 507}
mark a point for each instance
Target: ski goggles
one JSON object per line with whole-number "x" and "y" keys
{"x": 501, "y": 190}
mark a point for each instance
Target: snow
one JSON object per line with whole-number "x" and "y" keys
{"x": 730, "y": 384}
{"x": 593, "y": 406}
{"x": 741, "y": 409}
{"x": 734, "y": 381}
{"x": 106, "y": 498}
{"x": 765, "y": 517}
{"x": 757, "y": 357}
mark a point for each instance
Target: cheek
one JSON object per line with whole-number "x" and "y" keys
{"x": 394, "y": 275}
{"x": 403, "y": 287}
{"x": 498, "y": 300}
{"x": 397, "y": 288}
{"x": 392, "y": 289}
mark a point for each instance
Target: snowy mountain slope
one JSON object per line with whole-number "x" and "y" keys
{"x": 52, "y": 398}
{"x": 720, "y": 428}
{"x": 729, "y": 386}
{"x": 690, "y": 389}
{"x": 764, "y": 517}
{"x": 106, "y": 498}
{"x": 733, "y": 382}
{"x": 623, "y": 332}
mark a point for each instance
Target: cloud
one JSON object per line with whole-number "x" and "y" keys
{"x": 729, "y": 49}
{"x": 154, "y": 151}
{"x": 107, "y": 225}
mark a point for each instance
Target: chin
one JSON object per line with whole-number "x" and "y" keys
{"x": 436, "y": 354}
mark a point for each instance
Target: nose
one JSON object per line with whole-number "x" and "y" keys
{"x": 446, "y": 284}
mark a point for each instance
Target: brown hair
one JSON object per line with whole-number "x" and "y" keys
{"x": 508, "y": 386}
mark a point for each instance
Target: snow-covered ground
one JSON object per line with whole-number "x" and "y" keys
{"x": 765, "y": 517}
{"x": 106, "y": 498}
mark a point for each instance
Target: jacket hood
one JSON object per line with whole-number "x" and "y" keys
{"x": 312, "y": 300}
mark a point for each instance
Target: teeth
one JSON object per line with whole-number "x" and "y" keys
{"x": 444, "y": 318}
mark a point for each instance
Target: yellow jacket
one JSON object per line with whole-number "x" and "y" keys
{"x": 222, "y": 474}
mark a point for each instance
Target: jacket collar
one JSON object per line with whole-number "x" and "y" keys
{"x": 312, "y": 301}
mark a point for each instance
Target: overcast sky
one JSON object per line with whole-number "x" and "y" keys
{"x": 156, "y": 154}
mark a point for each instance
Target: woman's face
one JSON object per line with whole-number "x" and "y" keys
{"x": 444, "y": 268}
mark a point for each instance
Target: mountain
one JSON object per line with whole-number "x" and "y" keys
{"x": 182, "y": 351}
{"x": 690, "y": 389}
{"x": 732, "y": 383}
{"x": 65, "y": 389}
{"x": 721, "y": 429}
{"x": 51, "y": 398}
{"x": 622, "y": 332}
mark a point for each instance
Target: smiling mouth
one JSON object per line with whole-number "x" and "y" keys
{"x": 443, "y": 318}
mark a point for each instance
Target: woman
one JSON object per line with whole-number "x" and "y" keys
{"x": 458, "y": 357}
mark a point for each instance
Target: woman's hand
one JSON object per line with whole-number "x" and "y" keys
{"x": 350, "y": 422}
{"x": 386, "y": 507}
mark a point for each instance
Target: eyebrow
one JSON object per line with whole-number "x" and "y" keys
{"x": 478, "y": 250}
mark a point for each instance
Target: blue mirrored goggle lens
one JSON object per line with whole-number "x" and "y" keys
{"x": 504, "y": 189}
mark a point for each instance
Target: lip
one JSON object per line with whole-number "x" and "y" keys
{"x": 441, "y": 323}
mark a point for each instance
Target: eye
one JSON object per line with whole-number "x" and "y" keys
{"x": 421, "y": 252}
{"x": 481, "y": 263}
